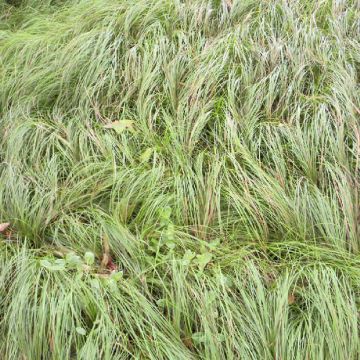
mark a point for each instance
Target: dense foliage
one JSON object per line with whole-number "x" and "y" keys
{"x": 181, "y": 179}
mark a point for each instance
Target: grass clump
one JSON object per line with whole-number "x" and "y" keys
{"x": 181, "y": 179}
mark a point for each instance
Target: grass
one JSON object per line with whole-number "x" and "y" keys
{"x": 181, "y": 178}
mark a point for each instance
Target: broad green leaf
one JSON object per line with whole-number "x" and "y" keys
{"x": 203, "y": 259}
{"x": 121, "y": 125}
{"x": 89, "y": 258}
{"x": 165, "y": 213}
{"x": 198, "y": 337}
{"x": 73, "y": 260}
{"x": 45, "y": 263}
{"x": 188, "y": 256}
{"x": 112, "y": 284}
{"x": 117, "y": 276}
{"x": 95, "y": 283}
{"x": 80, "y": 330}
{"x": 213, "y": 245}
{"x": 170, "y": 244}
{"x": 224, "y": 280}
{"x": 169, "y": 233}
{"x": 57, "y": 265}
{"x": 161, "y": 303}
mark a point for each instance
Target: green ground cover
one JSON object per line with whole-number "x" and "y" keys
{"x": 181, "y": 179}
